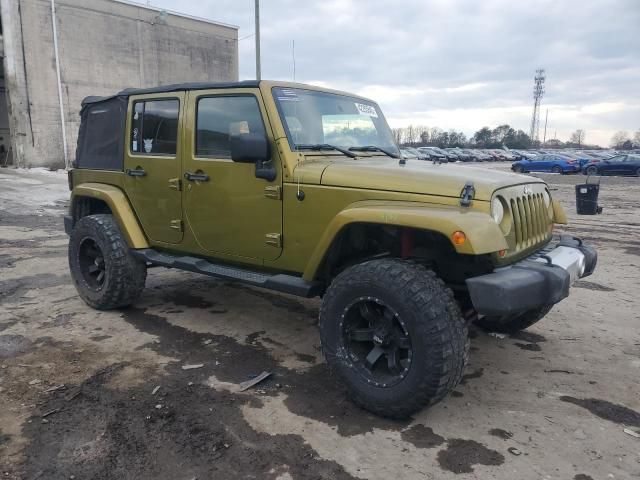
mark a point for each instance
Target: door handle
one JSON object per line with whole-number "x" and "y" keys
{"x": 199, "y": 176}
{"x": 136, "y": 172}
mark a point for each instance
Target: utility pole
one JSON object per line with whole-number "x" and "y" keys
{"x": 257, "y": 29}
{"x": 544, "y": 138}
{"x": 59, "y": 78}
{"x": 538, "y": 93}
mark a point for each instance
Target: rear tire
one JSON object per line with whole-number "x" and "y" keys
{"x": 638, "y": 172}
{"x": 556, "y": 169}
{"x": 103, "y": 270}
{"x": 515, "y": 323}
{"x": 394, "y": 335}
{"x": 593, "y": 170}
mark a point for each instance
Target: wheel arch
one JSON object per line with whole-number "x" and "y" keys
{"x": 483, "y": 235}
{"x": 93, "y": 198}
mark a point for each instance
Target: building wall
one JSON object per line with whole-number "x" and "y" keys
{"x": 104, "y": 46}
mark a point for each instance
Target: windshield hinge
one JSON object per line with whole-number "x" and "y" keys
{"x": 273, "y": 191}
{"x": 273, "y": 239}
{"x": 467, "y": 194}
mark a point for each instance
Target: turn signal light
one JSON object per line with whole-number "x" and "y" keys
{"x": 458, "y": 238}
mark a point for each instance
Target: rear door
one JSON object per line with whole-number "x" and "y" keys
{"x": 229, "y": 210}
{"x": 153, "y": 164}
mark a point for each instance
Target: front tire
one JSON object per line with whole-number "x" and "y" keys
{"x": 514, "y": 323}
{"x": 518, "y": 169}
{"x": 394, "y": 335}
{"x": 593, "y": 170}
{"x": 103, "y": 270}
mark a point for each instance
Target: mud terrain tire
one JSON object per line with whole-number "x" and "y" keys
{"x": 513, "y": 324}
{"x": 103, "y": 270}
{"x": 424, "y": 311}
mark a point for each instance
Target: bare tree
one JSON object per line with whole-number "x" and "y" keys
{"x": 397, "y": 135}
{"x": 410, "y": 135}
{"x": 619, "y": 138}
{"x": 636, "y": 138}
{"x": 577, "y": 137}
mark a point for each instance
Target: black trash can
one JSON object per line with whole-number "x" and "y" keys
{"x": 587, "y": 198}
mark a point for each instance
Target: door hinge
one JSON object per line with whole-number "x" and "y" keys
{"x": 175, "y": 184}
{"x": 273, "y": 191}
{"x": 176, "y": 224}
{"x": 273, "y": 239}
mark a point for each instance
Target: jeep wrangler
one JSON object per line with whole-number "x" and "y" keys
{"x": 302, "y": 190}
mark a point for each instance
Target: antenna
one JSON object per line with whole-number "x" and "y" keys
{"x": 293, "y": 55}
{"x": 538, "y": 93}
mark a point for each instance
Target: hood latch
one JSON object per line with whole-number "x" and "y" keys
{"x": 467, "y": 194}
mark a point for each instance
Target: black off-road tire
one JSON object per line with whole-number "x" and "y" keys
{"x": 435, "y": 326}
{"x": 513, "y": 324}
{"x": 124, "y": 275}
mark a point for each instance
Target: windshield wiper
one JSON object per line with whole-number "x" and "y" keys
{"x": 374, "y": 148}
{"x": 326, "y": 146}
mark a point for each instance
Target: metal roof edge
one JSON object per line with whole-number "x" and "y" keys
{"x": 177, "y": 14}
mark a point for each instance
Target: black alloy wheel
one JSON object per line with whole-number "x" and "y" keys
{"x": 91, "y": 261}
{"x": 377, "y": 341}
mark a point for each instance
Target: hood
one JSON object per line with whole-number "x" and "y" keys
{"x": 416, "y": 176}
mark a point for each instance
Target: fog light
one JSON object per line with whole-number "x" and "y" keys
{"x": 458, "y": 238}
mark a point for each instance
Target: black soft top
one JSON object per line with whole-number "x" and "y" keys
{"x": 176, "y": 87}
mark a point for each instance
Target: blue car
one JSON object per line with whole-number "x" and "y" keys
{"x": 547, "y": 163}
{"x": 618, "y": 165}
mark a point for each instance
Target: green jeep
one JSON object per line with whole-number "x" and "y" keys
{"x": 302, "y": 190}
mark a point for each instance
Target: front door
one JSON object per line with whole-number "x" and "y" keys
{"x": 229, "y": 210}
{"x": 153, "y": 164}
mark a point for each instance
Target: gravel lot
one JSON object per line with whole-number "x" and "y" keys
{"x": 80, "y": 397}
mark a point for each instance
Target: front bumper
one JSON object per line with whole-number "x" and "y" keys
{"x": 540, "y": 280}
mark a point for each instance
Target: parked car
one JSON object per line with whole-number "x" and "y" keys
{"x": 419, "y": 155}
{"x": 619, "y": 165}
{"x": 435, "y": 153}
{"x": 407, "y": 154}
{"x": 547, "y": 163}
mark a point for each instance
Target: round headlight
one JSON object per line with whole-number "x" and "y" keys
{"x": 497, "y": 210}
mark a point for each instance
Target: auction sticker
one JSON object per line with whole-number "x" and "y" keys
{"x": 366, "y": 110}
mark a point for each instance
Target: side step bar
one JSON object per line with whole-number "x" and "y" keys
{"x": 279, "y": 282}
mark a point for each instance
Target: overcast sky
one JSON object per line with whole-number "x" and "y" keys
{"x": 454, "y": 64}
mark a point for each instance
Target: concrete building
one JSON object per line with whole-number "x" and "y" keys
{"x": 56, "y": 52}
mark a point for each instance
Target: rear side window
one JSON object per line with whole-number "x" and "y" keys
{"x": 101, "y": 133}
{"x": 154, "y": 127}
{"x": 220, "y": 117}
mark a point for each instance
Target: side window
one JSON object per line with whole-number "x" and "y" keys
{"x": 154, "y": 127}
{"x": 219, "y": 117}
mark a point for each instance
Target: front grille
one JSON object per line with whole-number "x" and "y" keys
{"x": 530, "y": 220}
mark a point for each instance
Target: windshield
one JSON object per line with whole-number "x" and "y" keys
{"x": 321, "y": 118}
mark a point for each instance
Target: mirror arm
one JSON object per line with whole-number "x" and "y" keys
{"x": 266, "y": 170}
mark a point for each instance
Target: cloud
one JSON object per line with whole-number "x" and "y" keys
{"x": 454, "y": 64}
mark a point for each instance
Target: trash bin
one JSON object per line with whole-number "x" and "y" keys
{"x": 587, "y": 198}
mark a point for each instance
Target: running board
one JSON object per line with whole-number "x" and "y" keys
{"x": 279, "y": 282}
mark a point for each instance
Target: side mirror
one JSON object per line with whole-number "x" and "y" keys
{"x": 253, "y": 148}
{"x": 249, "y": 148}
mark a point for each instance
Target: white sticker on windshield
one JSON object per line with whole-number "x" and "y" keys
{"x": 366, "y": 110}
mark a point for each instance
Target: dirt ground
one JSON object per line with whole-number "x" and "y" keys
{"x": 105, "y": 395}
